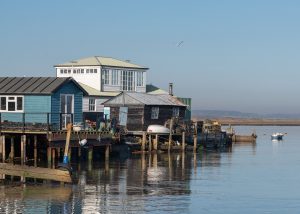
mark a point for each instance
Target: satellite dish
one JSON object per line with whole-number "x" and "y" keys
{"x": 83, "y": 142}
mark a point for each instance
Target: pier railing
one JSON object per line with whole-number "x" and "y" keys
{"x": 34, "y": 121}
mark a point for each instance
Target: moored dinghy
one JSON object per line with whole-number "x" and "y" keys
{"x": 158, "y": 129}
{"x": 277, "y": 136}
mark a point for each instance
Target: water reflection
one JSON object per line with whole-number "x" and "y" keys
{"x": 146, "y": 182}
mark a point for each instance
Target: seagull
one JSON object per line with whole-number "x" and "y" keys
{"x": 179, "y": 44}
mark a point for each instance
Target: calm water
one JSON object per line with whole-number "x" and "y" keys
{"x": 250, "y": 178}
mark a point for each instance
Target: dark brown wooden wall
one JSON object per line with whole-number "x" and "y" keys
{"x": 139, "y": 117}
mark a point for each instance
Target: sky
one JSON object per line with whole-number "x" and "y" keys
{"x": 235, "y": 55}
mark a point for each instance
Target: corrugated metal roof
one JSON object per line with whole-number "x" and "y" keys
{"x": 100, "y": 61}
{"x": 32, "y": 85}
{"x": 94, "y": 92}
{"x": 145, "y": 99}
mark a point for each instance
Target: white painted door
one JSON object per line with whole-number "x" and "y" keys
{"x": 67, "y": 109}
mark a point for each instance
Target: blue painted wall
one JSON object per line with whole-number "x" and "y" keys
{"x": 69, "y": 88}
{"x": 36, "y": 108}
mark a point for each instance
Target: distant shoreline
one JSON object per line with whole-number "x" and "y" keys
{"x": 255, "y": 121}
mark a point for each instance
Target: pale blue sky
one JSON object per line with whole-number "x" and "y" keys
{"x": 236, "y": 55}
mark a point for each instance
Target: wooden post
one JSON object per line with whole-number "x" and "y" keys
{"x": 53, "y": 158}
{"x": 12, "y": 148}
{"x": 170, "y": 135}
{"x": 155, "y": 142}
{"x": 143, "y": 141}
{"x": 150, "y": 143}
{"x": 70, "y": 154}
{"x": 23, "y": 149}
{"x": 3, "y": 148}
{"x": 35, "y": 150}
{"x": 195, "y": 137}
{"x": 183, "y": 141}
{"x": 106, "y": 152}
{"x": 68, "y": 137}
{"x": 49, "y": 156}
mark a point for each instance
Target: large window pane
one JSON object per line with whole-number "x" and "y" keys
{"x": 19, "y": 103}
{"x": 3, "y": 103}
{"x": 11, "y": 106}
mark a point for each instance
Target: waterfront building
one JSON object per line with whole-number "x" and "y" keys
{"x": 105, "y": 74}
{"x": 141, "y": 109}
{"x": 40, "y": 101}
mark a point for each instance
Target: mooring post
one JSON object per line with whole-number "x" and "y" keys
{"x": 195, "y": 137}
{"x": 3, "y": 148}
{"x": 49, "y": 156}
{"x": 53, "y": 158}
{"x": 23, "y": 149}
{"x": 68, "y": 137}
{"x": 183, "y": 141}
{"x": 143, "y": 141}
{"x": 150, "y": 143}
{"x": 155, "y": 142}
{"x": 35, "y": 150}
{"x": 12, "y": 148}
{"x": 170, "y": 135}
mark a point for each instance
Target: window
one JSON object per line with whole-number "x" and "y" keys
{"x": 61, "y": 71}
{"x": 92, "y": 106}
{"x": 175, "y": 112}
{"x": 106, "y": 77}
{"x": 11, "y": 103}
{"x": 95, "y": 71}
{"x": 69, "y": 71}
{"x": 139, "y": 79}
{"x": 115, "y": 77}
{"x": 127, "y": 80}
{"x": 154, "y": 112}
{"x": 3, "y": 103}
{"x": 82, "y": 71}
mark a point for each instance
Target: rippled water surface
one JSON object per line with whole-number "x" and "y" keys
{"x": 248, "y": 178}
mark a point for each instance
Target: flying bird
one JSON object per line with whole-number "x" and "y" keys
{"x": 179, "y": 44}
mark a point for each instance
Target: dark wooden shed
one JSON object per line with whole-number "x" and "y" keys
{"x": 146, "y": 109}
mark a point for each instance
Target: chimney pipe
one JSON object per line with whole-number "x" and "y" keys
{"x": 171, "y": 89}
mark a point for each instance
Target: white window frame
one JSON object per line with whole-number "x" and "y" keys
{"x": 115, "y": 77}
{"x": 139, "y": 78}
{"x": 106, "y": 76}
{"x": 14, "y": 100}
{"x": 92, "y": 104}
{"x": 175, "y": 112}
{"x": 154, "y": 112}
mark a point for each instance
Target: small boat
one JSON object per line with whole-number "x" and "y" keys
{"x": 277, "y": 136}
{"x": 158, "y": 129}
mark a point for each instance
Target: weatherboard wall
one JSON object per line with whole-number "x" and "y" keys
{"x": 72, "y": 89}
{"x": 35, "y": 109}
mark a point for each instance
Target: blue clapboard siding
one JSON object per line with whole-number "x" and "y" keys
{"x": 35, "y": 109}
{"x": 69, "y": 88}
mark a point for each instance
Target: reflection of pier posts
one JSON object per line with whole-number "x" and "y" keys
{"x": 195, "y": 161}
{"x": 90, "y": 154}
{"x": 107, "y": 158}
{"x": 53, "y": 158}
{"x": 155, "y": 160}
{"x": 143, "y": 162}
{"x": 170, "y": 165}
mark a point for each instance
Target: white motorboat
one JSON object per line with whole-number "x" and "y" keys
{"x": 158, "y": 129}
{"x": 277, "y": 136}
